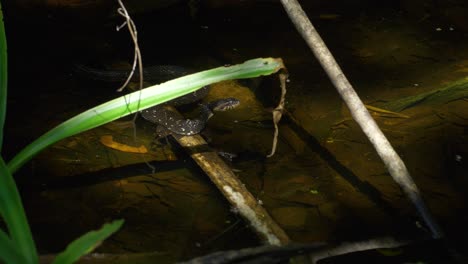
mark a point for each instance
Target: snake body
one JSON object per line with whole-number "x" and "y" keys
{"x": 162, "y": 114}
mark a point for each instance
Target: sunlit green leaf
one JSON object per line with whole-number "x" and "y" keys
{"x": 143, "y": 99}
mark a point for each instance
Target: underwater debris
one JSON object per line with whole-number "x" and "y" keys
{"x": 108, "y": 141}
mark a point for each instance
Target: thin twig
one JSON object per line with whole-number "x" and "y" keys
{"x": 133, "y": 32}
{"x": 278, "y": 111}
{"x": 136, "y": 59}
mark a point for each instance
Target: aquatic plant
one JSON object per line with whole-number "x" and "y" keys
{"x": 139, "y": 100}
{"x": 17, "y": 246}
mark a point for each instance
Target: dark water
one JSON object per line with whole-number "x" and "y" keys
{"x": 326, "y": 182}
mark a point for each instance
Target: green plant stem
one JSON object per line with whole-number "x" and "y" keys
{"x": 143, "y": 99}
{"x": 3, "y": 76}
{"x": 8, "y": 251}
{"x": 14, "y": 216}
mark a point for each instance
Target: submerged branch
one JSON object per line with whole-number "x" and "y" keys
{"x": 234, "y": 190}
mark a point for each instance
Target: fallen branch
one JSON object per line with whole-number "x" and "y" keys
{"x": 393, "y": 162}
{"x": 234, "y": 190}
{"x": 262, "y": 254}
{"x": 285, "y": 254}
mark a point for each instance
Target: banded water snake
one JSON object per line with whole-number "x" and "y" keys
{"x": 162, "y": 114}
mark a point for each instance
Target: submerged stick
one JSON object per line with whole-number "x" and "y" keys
{"x": 286, "y": 254}
{"x": 234, "y": 190}
{"x": 393, "y": 162}
{"x": 262, "y": 254}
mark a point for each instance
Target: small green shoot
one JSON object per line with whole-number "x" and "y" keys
{"x": 87, "y": 243}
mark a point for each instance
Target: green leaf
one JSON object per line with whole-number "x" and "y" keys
{"x": 3, "y": 76}
{"x": 14, "y": 216}
{"x": 87, "y": 243}
{"x": 8, "y": 251}
{"x": 143, "y": 99}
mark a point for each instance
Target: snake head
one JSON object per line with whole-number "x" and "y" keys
{"x": 224, "y": 104}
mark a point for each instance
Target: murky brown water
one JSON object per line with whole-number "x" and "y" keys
{"x": 325, "y": 183}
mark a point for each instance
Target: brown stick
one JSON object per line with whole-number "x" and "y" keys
{"x": 278, "y": 111}
{"x": 393, "y": 162}
{"x": 234, "y": 190}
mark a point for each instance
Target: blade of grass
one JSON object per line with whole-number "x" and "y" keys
{"x": 14, "y": 216}
{"x": 3, "y": 76}
{"x": 87, "y": 243}
{"x": 143, "y": 99}
{"x": 8, "y": 251}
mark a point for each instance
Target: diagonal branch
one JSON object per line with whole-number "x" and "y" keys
{"x": 393, "y": 162}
